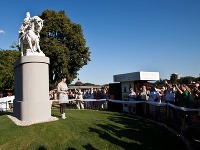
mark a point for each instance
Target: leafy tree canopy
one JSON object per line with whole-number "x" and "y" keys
{"x": 63, "y": 42}
{"x": 7, "y": 59}
{"x": 174, "y": 78}
{"x": 186, "y": 80}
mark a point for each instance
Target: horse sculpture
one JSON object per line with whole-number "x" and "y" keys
{"x": 30, "y": 37}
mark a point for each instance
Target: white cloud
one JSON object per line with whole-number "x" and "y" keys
{"x": 1, "y": 31}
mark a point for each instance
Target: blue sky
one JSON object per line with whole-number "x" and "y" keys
{"x": 123, "y": 35}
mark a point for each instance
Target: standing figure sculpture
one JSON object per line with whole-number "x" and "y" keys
{"x": 24, "y": 25}
{"x": 29, "y": 36}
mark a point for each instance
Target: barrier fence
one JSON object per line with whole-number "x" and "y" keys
{"x": 159, "y": 111}
{"x": 184, "y": 121}
{"x": 6, "y": 102}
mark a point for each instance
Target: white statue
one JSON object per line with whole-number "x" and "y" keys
{"x": 29, "y": 36}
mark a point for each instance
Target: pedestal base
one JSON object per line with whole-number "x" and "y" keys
{"x": 32, "y": 102}
{"x": 36, "y": 111}
{"x": 28, "y": 123}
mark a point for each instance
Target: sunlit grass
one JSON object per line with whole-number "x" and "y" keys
{"x": 87, "y": 129}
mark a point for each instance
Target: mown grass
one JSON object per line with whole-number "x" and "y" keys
{"x": 88, "y": 129}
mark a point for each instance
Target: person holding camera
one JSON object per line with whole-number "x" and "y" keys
{"x": 184, "y": 95}
{"x": 196, "y": 90}
{"x": 183, "y": 101}
{"x": 154, "y": 95}
{"x": 196, "y": 94}
{"x": 169, "y": 94}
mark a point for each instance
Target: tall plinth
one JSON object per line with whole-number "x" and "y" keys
{"x": 32, "y": 89}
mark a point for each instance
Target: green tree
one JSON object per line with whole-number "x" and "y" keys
{"x": 79, "y": 83}
{"x": 186, "y": 80}
{"x": 174, "y": 78}
{"x": 197, "y": 79}
{"x": 88, "y": 84}
{"x": 63, "y": 42}
{"x": 7, "y": 59}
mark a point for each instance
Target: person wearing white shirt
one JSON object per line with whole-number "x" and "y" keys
{"x": 79, "y": 98}
{"x": 169, "y": 95}
{"x": 154, "y": 95}
{"x": 144, "y": 93}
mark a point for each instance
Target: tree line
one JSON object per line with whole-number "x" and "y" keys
{"x": 174, "y": 79}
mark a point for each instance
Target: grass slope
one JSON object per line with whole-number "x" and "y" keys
{"x": 88, "y": 129}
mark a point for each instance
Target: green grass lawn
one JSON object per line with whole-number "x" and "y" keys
{"x": 87, "y": 129}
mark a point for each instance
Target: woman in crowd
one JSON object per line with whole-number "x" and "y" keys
{"x": 79, "y": 99}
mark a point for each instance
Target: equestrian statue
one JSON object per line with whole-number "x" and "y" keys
{"x": 29, "y": 36}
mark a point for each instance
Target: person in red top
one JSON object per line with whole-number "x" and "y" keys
{"x": 9, "y": 94}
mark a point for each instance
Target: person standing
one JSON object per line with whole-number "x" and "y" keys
{"x": 196, "y": 94}
{"x": 183, "y": 101}
{"x": 169, "y": 94}
{"x": 132, "y": 96}
{"x": 79, "y": 99}
{"x": 86, "y": 96}
{"x": 63, "y": 95}
{"x": 91, "y": 96}
{"x": 154, "y": 95}
{"x": 144, "y": 94}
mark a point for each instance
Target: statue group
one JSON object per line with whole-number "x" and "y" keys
{"x": 29, "y": 36}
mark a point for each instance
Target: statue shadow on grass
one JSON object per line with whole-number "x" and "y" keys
{"x": 5, "y": 113}
{"x": 71, "y": 148}
{"x": 89, "y": 147}
{"x": 114, "y": 134}
{"x": 42, "y": 148}
{"x": 138, "y": 132}
{"x": 56, "y": 115}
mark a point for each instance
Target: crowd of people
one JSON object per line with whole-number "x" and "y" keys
{"x": 181, "y": 95}
{"x": 77, "y": 96}
{"x": 186, "y": 96}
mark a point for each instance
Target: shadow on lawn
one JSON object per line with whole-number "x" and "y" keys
{"x": 89, "y": 146}
{"x": 128, "y": 132}
{"x": 117, "y": 135}
{"x": 71, "y": 148}
{"x": 42, "y": 148}
{"x": 56, "y": 115}
{"x": 5, "y": 113}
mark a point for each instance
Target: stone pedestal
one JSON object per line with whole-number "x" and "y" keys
{"x": 32, "y": 102}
